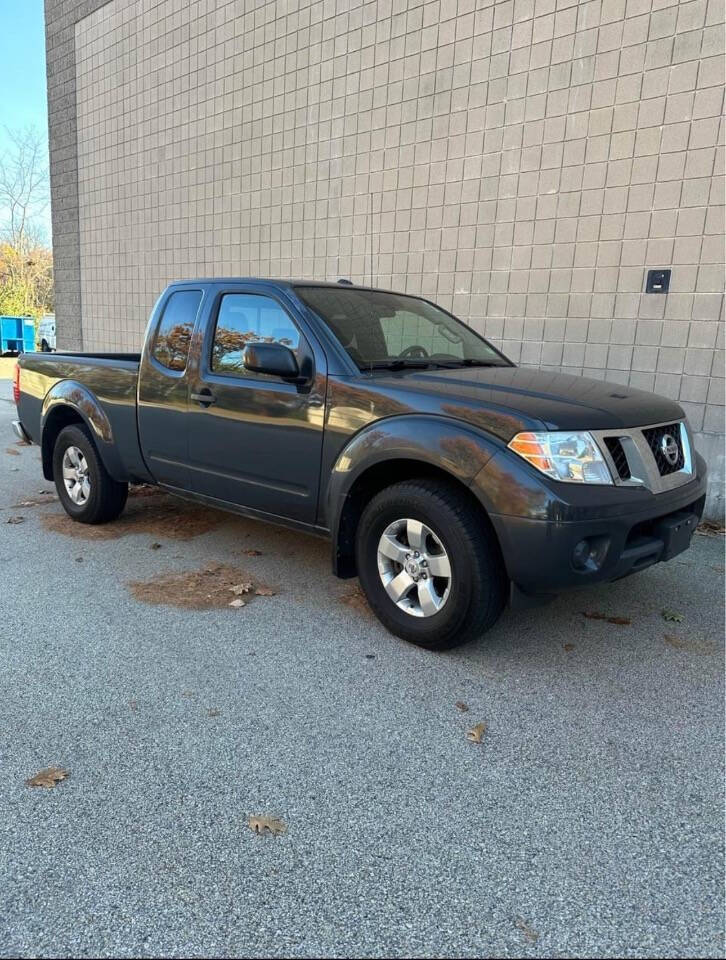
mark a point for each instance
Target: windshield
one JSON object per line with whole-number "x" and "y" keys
{"x": 391, "y": 330}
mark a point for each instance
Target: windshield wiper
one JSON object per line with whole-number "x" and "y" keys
{"x": 470, "y": 362}
{"x": 397, "y": 363}
{"x": 421, "y": 363}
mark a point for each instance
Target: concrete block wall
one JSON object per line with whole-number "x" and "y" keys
{"x": 522, "y": 162}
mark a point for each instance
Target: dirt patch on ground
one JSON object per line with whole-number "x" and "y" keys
{"x": 148, "y": 510}
{"x": 356, "y": 600}
{"x": 211, "y": 587}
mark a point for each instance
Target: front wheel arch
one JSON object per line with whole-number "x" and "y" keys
{"x": 370, "y": 483}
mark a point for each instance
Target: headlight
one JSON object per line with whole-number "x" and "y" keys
{"x": 573, "y": 457}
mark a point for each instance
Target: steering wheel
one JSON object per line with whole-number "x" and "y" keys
{"x": 413, "y": 351}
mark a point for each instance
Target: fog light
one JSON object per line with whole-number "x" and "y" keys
{"x": 580, "y": 555}
{"x": 589, "y": 554}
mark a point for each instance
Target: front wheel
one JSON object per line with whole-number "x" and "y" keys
{"x": 88, "y": 492}
{"x": 429, "y": 564}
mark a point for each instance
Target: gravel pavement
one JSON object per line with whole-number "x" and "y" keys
{"x": 589, "y": 821}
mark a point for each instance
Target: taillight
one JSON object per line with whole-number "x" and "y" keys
{"x": 16, "y": 384}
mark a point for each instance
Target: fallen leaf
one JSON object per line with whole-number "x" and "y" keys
{"x": 476, "y": 734}
{"x": 621, "y": 621}
{"x": 241, "y": 588}
{"x": 692, "y": 644}
{"x": 460, "y": 705}
{"x": 47, "y": 778}
{"x": 672, "y": 616}
{"x": 38, "y": 501}
{"x": 252, "y": 553}
{"x": 13, "y": 452}
{"x": 527, "y": 931}
{"x": 79, "y": 559}
{"x": 568, "y": 646}
{"x": 370, "y": 656}
{"x": 264, "y": 592}
{"x": 156, "y": 546}
{"x": 16, "y": 519}
{"x": 213, "y": 712}
{"x": 710, "y": 529}
{"x": 237, "y": 603}
{"x": 264, "y": 824}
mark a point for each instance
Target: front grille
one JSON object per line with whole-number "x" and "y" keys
{"x": 654, "y": 437}
{"x": 615, "y": 448}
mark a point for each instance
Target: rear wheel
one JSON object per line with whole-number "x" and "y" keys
{"x": 87, "y": 491}
{"x": 429, "y": 564}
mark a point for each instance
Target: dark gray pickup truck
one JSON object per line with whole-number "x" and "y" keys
{"x": 447, "y": 479}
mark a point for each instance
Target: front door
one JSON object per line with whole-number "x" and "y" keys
{"x": 255, "y": 439}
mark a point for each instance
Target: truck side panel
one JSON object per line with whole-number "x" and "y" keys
{"x": 55, "y": 386}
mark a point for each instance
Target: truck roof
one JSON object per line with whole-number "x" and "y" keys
{"x": 276, "y": 281}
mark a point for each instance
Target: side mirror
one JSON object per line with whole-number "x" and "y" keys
{"x": 275, "y": 359}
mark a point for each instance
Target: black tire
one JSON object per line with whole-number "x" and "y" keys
{"x": 44, "y": 348}
{"x": 107, "y": 497}
{"x": 478, "y": 583}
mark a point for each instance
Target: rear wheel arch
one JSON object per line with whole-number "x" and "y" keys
{"x": 59, "y": 417}
{"x": 69, "y": 402}
{"x": 371, "y": 482}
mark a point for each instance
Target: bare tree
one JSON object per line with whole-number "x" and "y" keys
{"x": 23, "y": 189}
{"x": 26, "y": 264}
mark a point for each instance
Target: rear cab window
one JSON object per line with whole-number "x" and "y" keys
{"x": 174, "y": 330}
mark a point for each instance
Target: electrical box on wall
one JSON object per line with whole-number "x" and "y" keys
{"x": 658, "y": 281}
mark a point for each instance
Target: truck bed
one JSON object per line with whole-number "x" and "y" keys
{"x": 111, "y": 378}
{"x": 69, "y": 355}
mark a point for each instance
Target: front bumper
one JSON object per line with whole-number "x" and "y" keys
{"x": 538, "y": 553}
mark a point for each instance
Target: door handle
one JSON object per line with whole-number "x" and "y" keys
{"x": 206, "y": 398}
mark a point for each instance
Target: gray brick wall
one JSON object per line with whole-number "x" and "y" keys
{"x": 523, "y": 162}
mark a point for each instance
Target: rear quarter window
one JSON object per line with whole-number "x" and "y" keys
{"x": 175, "y": 328}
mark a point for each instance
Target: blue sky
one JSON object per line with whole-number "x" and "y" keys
{"x": 22, "y": 61}
{"x": 22, "y": 55}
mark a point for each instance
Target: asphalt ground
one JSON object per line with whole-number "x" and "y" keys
{"x": 587, "y": 823}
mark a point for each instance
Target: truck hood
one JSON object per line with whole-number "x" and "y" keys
{"x": 505, "y": 400}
